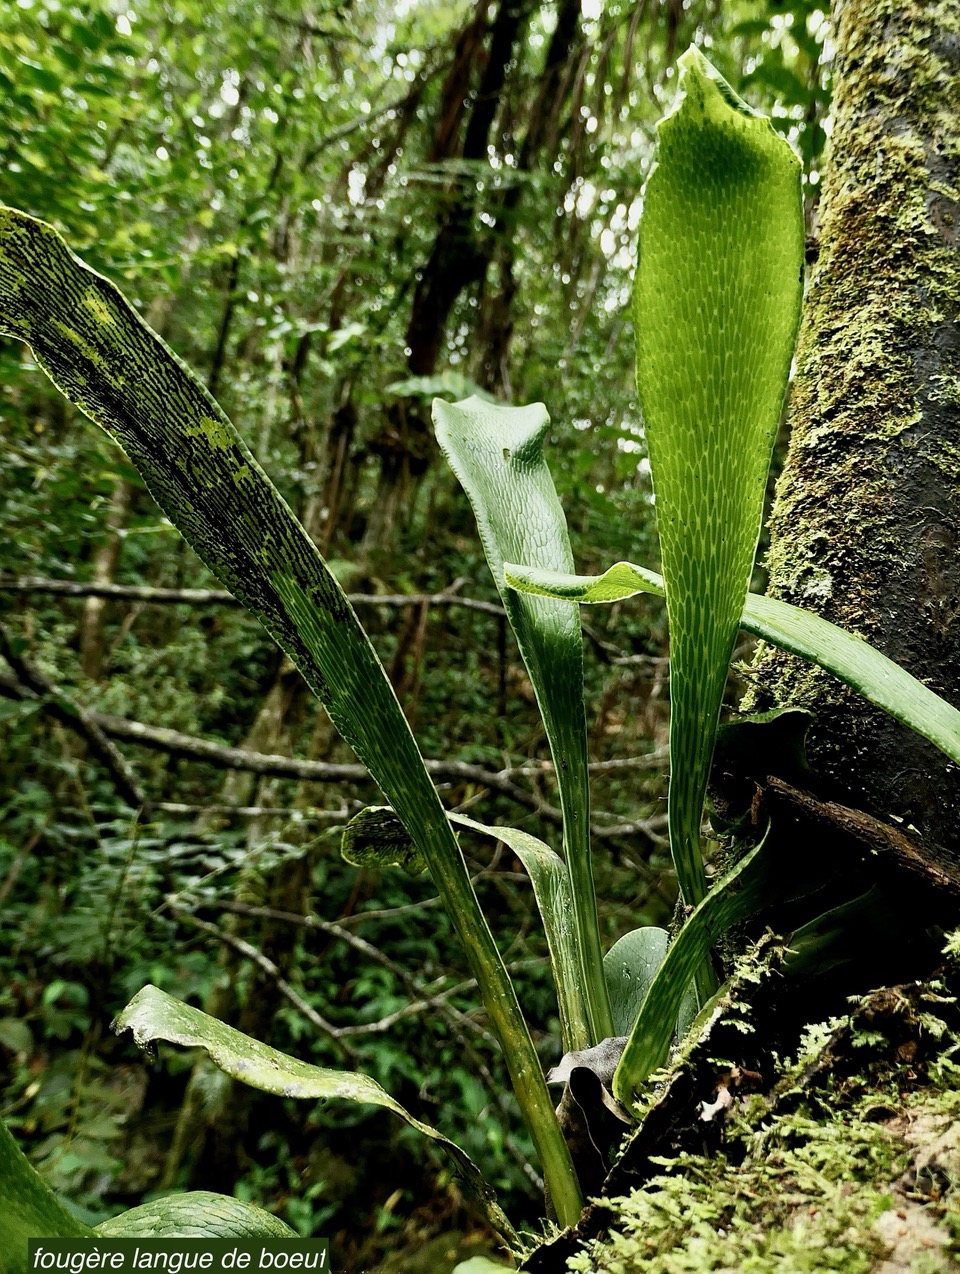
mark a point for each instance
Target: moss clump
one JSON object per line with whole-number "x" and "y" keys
{"x": 857, "y": 1173}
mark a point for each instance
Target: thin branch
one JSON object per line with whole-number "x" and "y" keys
{"x": 394, "y": 105}
{"x": 219, "y": 596}
{"x": 306, "y": 27}
{"x": 390, "y": 913}
{"x": 16, "y": 867}
{"x": 645, "y": 826}
{"x": 267, "y": 966}
{"x": 223, "y": 757}
{"x": 610, "y": 654}
{"x": 431, "y": 599}
{"x": 25, "y": 584}
{"x": 649, "y": 761}
{"x": 178, "y": 744}
{"x": 338, "y": 1033}
{"x": 459, "y": 1022}
{"x": 413, "y": 986}
{"x": 261, "y": 811}
{"x": 117, "y": 592}
{"x": 30, "y": 683}
{"x": 332, "y": 929}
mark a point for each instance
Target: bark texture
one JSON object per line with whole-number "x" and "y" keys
{"x": 866, "y": 522}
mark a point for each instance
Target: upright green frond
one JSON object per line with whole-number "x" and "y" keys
{"x": 717, "y": 303}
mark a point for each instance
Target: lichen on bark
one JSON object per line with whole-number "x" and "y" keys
{"x": 865, "y": 523}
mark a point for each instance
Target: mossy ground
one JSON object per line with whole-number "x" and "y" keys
{"x": 858, "y": 1172}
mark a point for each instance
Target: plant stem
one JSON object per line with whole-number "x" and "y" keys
{"x": 684, "y": 809}
{"x": 499, "y": 997}
{"x": 576, "y": 843}
{"x": 403, "y": 779}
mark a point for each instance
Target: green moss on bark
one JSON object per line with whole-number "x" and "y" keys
{"x": 859, "y": 1174}
{"x": 865, "y": 523}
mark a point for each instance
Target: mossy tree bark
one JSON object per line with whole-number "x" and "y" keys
{"x": 866, "y": 522}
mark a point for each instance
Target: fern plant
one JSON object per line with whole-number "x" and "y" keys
{"x": 716, "y": 308}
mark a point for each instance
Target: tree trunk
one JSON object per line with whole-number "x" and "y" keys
{"x": 865, "y": 524}
{"x": 105, "y": 561}
{"x": 539, "y": 148}
{"x": 458, "y": 260}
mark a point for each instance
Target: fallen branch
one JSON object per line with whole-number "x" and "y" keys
{"x": 30, "y": 683}
{"x": 309, "y": 815}
{"x": 218, "y": 754}
{"x": 219, "y": 596}
{"x": 178, "y": 744}
{"x": 267, "y": 966}
{"x": 335, "y": 929}
{"x": 649, "y": 761}
{"x": 25, "y": 584}
{"x": 428, "y": 1001}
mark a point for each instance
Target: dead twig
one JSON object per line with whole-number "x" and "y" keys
{"x": 224, "y": 757}
{"x": 219, "y": 596}
{"x": 26, "y": 584}
{"x": 30, "y": 683}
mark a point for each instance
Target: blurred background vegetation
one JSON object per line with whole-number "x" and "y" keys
{"x": 332, "y": 213}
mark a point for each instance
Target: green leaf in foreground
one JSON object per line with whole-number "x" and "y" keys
{"x": 497, "y": 454}
{"x": 801, "y": 632}
{"x": 103, "y": 357}
{"x": 751, "y": 884}
{"x": 153, "y": 1015}
{"x": 630, "y": 967}
{"x": 197, "y": 1214}
{"x": 716, "y": 308}
{"x": 28, "y": 1208}
{"x": 756, "y": 881}
{"x": 551, "y": 889}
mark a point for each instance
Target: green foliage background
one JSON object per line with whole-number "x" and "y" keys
{"x": 323, "y": 209}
